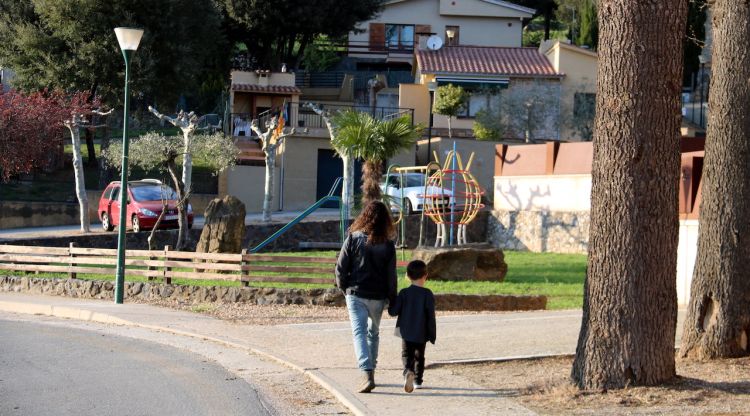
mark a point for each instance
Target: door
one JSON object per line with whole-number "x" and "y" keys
{"x": 331, "y": 167}
{"x": 114, "y": 207}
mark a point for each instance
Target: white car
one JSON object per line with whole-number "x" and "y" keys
{"x": 413, "y": 192}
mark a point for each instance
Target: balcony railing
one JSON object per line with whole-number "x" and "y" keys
{"x": 303, "y": 117}
{"x": 335, "y": 79}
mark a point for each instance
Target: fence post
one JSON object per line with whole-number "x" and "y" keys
{"x": 244, "y": 273}
{"x": 165, "y": 269}
{"x": 71, "y": 262}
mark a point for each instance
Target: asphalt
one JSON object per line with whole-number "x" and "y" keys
{"x": 324, "y": 352}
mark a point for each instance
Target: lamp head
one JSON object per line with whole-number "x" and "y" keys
{"x": 128, "y": 38}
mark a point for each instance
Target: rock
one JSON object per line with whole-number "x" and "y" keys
{"x": 476, "y": 262}
{"x": 224, "y": 228}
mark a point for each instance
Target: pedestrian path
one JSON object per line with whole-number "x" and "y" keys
{"x": 324, "y": 350}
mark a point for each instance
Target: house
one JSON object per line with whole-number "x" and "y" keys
{"x": 306, "y": 165}
{"x": 578, "y": 87}
{"x": 392, "y": 36}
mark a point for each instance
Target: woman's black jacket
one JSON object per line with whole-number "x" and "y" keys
{"x": 367, "y": 270}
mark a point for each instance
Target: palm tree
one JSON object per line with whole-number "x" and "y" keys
{"x": 374, "y": 141}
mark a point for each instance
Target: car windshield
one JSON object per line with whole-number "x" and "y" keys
{"x": 410, "y": 180}
{"x": 153, "y": 193}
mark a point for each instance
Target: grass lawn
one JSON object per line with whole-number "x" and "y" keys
{"x": 558, "y": 276}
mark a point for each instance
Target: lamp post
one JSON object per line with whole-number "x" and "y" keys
{"x": 431, "y": 87}
{"x": 128, "y": 38}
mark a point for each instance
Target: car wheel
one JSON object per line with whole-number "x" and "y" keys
{"x": 408, "y": 209}
{"x": 106, "y": 223}
{"x": 136, "y": 224}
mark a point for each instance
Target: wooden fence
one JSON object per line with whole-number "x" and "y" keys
{"x": 168, "y": 264}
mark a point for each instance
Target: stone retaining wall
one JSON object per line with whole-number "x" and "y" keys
{"x": 91, "y": 289}
{"x": 317, "y": 231}
{"x": 539, "y": 231}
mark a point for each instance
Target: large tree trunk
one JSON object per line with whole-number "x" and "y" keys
{"x": 371, "y": 173}
{"x": 268, "y": 191}
{"x": 718, "y": 321}
{"x": 83, "y": 201}
{"x": 630, "y": 302}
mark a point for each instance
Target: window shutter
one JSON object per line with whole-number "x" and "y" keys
{"x": 420, "y": 31}
{"x": 377, "y": 36}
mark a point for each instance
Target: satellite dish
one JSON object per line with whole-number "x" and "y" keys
{"x": 434, "y": 42}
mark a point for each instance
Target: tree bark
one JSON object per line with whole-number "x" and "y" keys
{"x": 371, "y": 173}
{"x": 630, "y": 303}
{"x": 187, "y": 160}
{"x": 718, "y": 320}
{"x": 83, "y": 201}
{"x": 268, "y": 194}
{"x": 182, "y": 233}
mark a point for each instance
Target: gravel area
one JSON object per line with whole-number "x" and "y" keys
{"x": 252, "y": 314}
{"x": 719, "y": 387}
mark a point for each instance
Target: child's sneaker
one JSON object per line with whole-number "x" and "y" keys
{"x": 418, "y": 386}
{"x": 409, "y": 381}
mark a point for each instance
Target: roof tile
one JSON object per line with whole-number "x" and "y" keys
{"x": 485, "y": 61}
{"x": 270, "y": 89}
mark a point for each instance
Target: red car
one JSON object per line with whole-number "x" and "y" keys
{"x": 144, "y": 206}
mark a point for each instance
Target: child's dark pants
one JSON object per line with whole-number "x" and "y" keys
{"x": 412, "y": 355}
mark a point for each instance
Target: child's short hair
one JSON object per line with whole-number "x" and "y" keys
{"x": 416, "y": 269}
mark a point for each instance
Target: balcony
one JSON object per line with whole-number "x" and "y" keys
{"x": 304, "y": 118}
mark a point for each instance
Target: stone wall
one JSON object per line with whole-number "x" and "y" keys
{"x": 539, "y": 231}
{"x": 317, "y": 231}
{"x": 90, "y": 289}
{"x": 17, "y": 214}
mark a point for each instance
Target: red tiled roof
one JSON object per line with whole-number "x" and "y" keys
{"x": 485, "y": 60}
{"x": 270, "y": 89}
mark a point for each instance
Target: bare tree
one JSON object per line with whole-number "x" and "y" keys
{"x": 718, "y": 320}
{"x": 630, "y": 295}
{"x": 188, "y": 124}
{"x": 155, "y": 150}
{"x": 347, "y": 195}
{"x": 271, "y": 139}
{"x": 75, "y": 123}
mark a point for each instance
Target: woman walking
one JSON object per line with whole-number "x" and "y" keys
{"x": 366, "y": 272}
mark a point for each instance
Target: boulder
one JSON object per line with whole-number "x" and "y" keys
{"x": 224, "y": 228}
{"x": 473, "y": 262}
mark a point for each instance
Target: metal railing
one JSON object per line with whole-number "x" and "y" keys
{"x": 303, "y": 117}
{"x": 335, "y": 79}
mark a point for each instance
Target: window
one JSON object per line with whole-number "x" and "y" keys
{"x": 451, "y": 35}
{"x": 478, "y": 101}
{"x": 399, "y": 37}
{"x": 115, "y": 193}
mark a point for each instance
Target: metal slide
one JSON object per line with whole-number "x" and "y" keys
{"x": 330, "y": 197}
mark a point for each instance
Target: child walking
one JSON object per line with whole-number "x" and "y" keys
{"x": 415, "y": 307}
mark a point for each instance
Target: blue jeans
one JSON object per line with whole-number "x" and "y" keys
{"x": 365, "y": 315}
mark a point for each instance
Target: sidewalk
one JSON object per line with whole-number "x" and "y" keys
{"x": 281, "y": 217}
{"x": 324, "y": 351}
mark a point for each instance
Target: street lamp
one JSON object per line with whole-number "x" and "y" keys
{"x": 128, "y": 38}
{"x": 702, "y": 60}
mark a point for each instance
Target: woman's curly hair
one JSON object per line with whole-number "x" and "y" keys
{"x": 375, "y": 221}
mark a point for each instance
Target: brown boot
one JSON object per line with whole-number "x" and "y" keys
{"x": 368, "y": 382}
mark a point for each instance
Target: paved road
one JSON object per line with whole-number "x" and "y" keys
{"x": 66, "y": 371}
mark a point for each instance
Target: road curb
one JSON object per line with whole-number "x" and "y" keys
{"x": 345, "y": 397}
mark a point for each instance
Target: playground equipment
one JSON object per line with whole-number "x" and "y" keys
{"x": 464, "y": 193}
{"x": 343, "y": 217}
{"x": 465, "y": 202}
